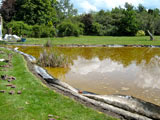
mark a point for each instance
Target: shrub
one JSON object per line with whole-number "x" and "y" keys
{"x": 43, "y": 31}
{"x": 68, "y": 29}
{"x": 36, "y": 31}
{"x": 20, "y": 28}
{"x": 140, "y": 33}
{"x": 47, "y": 31}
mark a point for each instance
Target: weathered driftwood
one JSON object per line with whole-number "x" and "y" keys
{"x": 126, "y": 114}
{"x": 130, "y": 104}
{"x": 150, "y": 34}
{"x": 50, "y": 79}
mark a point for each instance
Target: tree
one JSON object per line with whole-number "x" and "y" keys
{"x": 141, "y": 8}
{"x": 105, "y": 20}
{"x": 35, "y": 11}
{"x": 8, "y": 10}
{"x": 65, "y": 9}
{"x": 129, "y": 23}
{"x": 117, "y": 15}
{"x": 87, "y": 20}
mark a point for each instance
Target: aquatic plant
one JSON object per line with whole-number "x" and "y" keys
{"x": 52, "y": 59}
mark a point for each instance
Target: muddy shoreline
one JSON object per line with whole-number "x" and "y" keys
{"x": 81, "y": 45}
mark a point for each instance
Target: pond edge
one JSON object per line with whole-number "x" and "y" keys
{"x": 74, "y": 92}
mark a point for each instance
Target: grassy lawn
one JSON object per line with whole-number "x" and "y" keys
{"x": 92, "y": 40}
{"x": 36, "y": 100}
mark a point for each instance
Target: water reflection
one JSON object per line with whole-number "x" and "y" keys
{"x": 129, "y": 71}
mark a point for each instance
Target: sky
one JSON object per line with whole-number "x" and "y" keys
{"x": 85, "y": 6}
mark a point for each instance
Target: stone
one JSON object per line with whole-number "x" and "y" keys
{"x": 9, "y": 85}
{"x": 50, "y": 115}
{"x": 2, "y": 91}
{"x": 9, "y": 80}
{"x": 51, "y": 119}
{"x": 11, "y": 92}
{"x": 4, "y": 77}
{"x": 19, "y": 92}
{"x": 12, "y": 78}
{"x": 13, "y": 86}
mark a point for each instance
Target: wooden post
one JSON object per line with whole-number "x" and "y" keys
{"x": 150, "y": 34}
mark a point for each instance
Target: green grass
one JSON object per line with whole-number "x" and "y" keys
{"x": 36, "y": 100}
{"x": 93, "y": 40}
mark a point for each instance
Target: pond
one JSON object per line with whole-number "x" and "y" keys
{"x": 108, "y": 70}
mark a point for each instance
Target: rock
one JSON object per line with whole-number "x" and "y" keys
{"x": 11, "y": 92}
{"x": 5, "y": 66}
{"x": 12, "y": 78}
{"x": 51, "y": 119}
{"x": 2, "y": 91}
{"x": 19, "y": 92}
{"x": 9, "y": 80}
{"x": 50, "y": 115}
{"x": 13, "y": 86}
{"x": 9, "y": 85}
{"x": 4, "y": 77}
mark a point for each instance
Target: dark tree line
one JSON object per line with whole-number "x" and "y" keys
{"x": 61, "y": 18}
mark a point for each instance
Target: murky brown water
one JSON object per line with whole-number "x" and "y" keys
{"x": 128, "y": 71}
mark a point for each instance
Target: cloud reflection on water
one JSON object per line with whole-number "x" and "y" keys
{"x": 141, "y": 76}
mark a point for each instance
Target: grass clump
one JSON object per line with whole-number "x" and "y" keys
{"x": 51, "y": 59}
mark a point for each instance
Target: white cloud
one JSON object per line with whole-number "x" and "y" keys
{"x": 95, "y": 5}
{"x": 87, "y": 6}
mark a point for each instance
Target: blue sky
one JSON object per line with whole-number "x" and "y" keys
{"x": 96, "y": 5}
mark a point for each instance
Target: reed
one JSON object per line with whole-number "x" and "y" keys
{"x": 52, "y": 59}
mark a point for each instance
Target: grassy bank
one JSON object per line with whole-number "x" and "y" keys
{"x": 87, "y": 40}
{"x": 37, "y": 101}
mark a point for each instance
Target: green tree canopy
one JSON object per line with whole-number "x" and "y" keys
{"x": 35, "y": 11}
{"x": 65, "y": 9}
{"x": 129, "y": 23}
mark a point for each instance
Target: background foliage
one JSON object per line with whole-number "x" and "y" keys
{"x": 50, "y": 18}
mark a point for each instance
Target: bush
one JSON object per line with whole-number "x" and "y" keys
{"x": 36, "y": 31}
{"x": 140, "y": 33}
{"x": 20, "y": 28}
{"x": 47, "y": 31}
{"x": 43, "y": 31}
{"x": 68, "y": 29}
